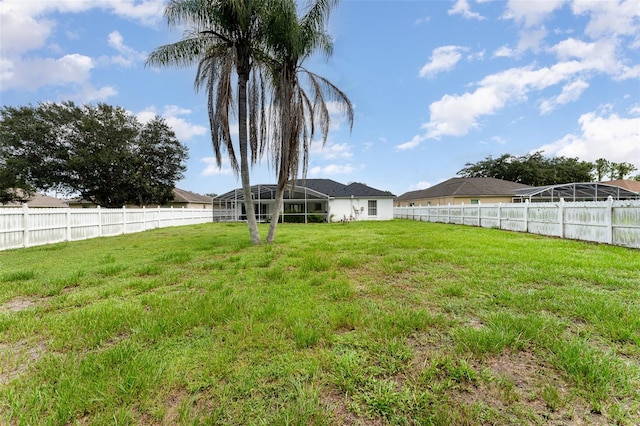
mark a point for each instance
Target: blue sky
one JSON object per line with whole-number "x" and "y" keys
{"x": 435, "y": 84}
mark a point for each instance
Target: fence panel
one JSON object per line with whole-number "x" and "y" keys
{"x": 625, "y": 222}
{"x": 25, "y": 227}
{"x": 610, "y": 222}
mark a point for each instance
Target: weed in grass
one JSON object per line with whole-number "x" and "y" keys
{"x": 503, "y": 331}
{"x": 452, "y": 290}
{"x": 175, "y": 258}
{"x": 148, "y": 270}
{"x": 449, "y": 371}
{"x": 382, "y": 399}
{"x": 21, "y": 275}
{"x": 306, "y": 335}
{"x": 345, "y": 317}
{"x": 109, "y": 270}
{"x": 551, "y": 397}
{"x": 312, "y": 264}
{"x": 600, "y": 374}
{"x": 402, "y": 321}
{"x": 348, "y": 261}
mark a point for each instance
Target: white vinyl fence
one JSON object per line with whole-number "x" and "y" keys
{"x": 609, "y": 222}
{"x": 26, "y": 227}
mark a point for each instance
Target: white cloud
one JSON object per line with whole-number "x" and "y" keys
{"x": 531, "y": 13}
{"x": 504, "y": 52}
{"x": 612, "y": 137}
{"x": 499, "y": 140}
{"x": 183, "y": 129}
{"x": 26, "y": 26}
{"x": 457, "y": 115}
{"x": 461, "y": 7}
{"x": 212, "y": 168}
{"x": 127, "y": 55}
{"x": 331, "y": 151}
{"x": 531, "y": 39}
{"x": 423, "y": 184}
{"x": 332, "y": 170}
{"x": 35, "y": 73}
{"x": 611, "y": 17}
{"x": 570, "y": 92}
{"x": 88, "y": 94}
{"x": 443, "y": 58}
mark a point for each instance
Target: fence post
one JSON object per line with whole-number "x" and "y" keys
{"x": 68, "y": 224}
{"x": 159, "y": 217}
{"x": 526, "y": 215}
{"x": 479, "y": 213}
{"x": 99, "y": 221}
{"x": 499, "y": 215}
{"x": 25, "y": 225}
{"x": 124, "y": 219}
{"x": 561, "y": 216}
{"x": 608, "y": 218}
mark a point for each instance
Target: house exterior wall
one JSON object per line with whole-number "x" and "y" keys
{"x": 358, "y": 209}
{"x": 443, "y": 201}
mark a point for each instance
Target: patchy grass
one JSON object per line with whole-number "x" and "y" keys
{"x": 373, "y": 323}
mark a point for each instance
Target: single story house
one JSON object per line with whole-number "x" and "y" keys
{"x": 629, "y": 185}
{"x": 462, "y": 191}
{"x": 39, "y": 201}
{"x": 181, "y": 199}
{"x": 310, "y": 200}
{"x": 190, "y": 200}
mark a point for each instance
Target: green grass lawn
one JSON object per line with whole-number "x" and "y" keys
{"x": 367, "y": 323}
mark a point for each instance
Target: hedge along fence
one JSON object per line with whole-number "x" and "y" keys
{"x": 609, "y": 222}
{"x": 27, "y": 227}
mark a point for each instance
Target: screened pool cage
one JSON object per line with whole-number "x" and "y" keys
{"x": 589, "y": 191}
{"x": 299, "y": 204}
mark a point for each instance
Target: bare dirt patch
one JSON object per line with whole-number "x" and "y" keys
{"x": 17, "y": 304}
{"x": 15, "y": 358}
{"x": 520, "y": 383}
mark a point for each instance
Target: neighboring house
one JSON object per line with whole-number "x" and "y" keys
{"x": 629, "y": 185}
{"x": 181, "y": 199}
{"x": 462, "y": 191}
{"x": 310, "y": 200}
{"x": 190, "y": 200}
{"x": 39, "y": 201}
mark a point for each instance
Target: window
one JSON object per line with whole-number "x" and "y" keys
{"x": 474, "y": 201}
{"x": 373, "y": 207}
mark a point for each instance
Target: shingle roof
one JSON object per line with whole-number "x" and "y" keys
{"x": 339, "y": 190}
{"x": 461, "y": 187}
{"x": 40, "y": 201}
{"x": 630, "y": 185}
{"x": 183, "y": 196}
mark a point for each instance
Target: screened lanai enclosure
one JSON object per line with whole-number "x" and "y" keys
{"x": 589, "y": 191}
{"x": 300, "y": 204}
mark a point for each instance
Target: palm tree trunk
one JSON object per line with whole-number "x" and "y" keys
{"x": 244, "y": 159}
{"x": 285, "y": 154}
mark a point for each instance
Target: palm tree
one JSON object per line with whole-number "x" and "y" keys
{"x": 225, "y": 37}
{"x": 297, "y": 112}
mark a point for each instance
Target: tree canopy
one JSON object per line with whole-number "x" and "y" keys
{"x": 100, "y": 153}
{"x": 531, "y": 169}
